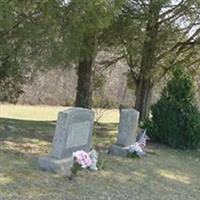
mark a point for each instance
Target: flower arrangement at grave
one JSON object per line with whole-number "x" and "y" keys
{"x": 83, "y": 160}
{"x": 137, "y": 149}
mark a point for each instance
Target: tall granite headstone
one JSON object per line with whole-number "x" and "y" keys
{"x": 126, "y": 132}
{"x": 73, "y": 132}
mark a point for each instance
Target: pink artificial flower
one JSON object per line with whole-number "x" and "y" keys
{"x": 82, "y": 158}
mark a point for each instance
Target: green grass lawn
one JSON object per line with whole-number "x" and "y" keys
{"x": 26, "y": 132}
{"x": 49, "y": 113}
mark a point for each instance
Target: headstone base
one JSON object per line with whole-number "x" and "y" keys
{"x": 118, "y": 150}
{"x": 60, "y": 166}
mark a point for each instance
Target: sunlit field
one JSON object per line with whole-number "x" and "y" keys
{"x": 49, "y": 113}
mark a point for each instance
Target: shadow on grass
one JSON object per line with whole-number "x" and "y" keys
{"x": 17, "y": 128}
{"x": 104, "y": 134}
{"x": 19, "y": 131}
{"x": 105, "y": 129}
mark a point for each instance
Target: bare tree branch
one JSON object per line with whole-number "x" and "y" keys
{"x": 172, "y": 9}
{"x": 106, "y": 64}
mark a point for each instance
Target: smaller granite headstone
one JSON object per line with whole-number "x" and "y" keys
{"x": 126, "y": 132}
{"x": 74, "y": 129}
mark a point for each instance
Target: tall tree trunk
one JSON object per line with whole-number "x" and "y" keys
{"x": 84, "y": 87}
{"x": 144, "y": 82}
{"x": 143, "y": 97}
{"x": 85, "y": 73}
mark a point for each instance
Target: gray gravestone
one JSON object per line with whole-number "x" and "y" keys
{"x": 73, "y": 132}
{"x": 126, "y": 132}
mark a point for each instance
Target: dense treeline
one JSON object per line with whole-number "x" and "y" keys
{"x": 152, "y": 36}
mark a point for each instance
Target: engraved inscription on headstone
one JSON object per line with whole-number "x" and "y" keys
{"x": 79, "y": 134}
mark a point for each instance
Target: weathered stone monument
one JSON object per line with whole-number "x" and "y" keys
{"x": 73, "y": 132}
{"x": 126, "y": 132}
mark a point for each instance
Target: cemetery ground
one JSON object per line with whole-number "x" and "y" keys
{"x": 26, "y": 132}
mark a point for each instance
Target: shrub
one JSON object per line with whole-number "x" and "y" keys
{"x": 175, "y": 118}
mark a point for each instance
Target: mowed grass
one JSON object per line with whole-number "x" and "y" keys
{"x": 26, "y": 132}
{"x": 49, "y": 113}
